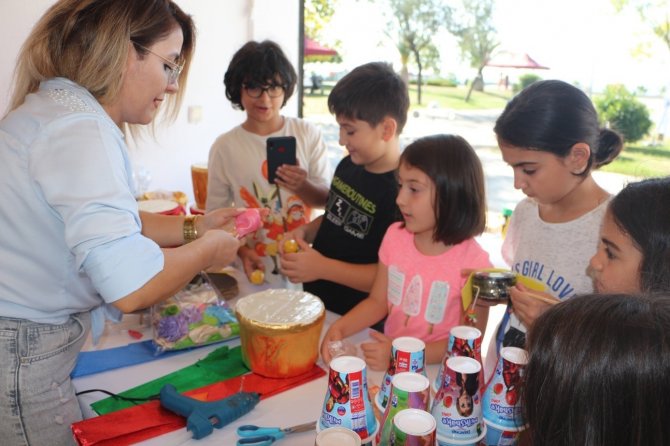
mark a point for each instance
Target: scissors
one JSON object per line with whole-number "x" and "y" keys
{"x": 264, "y": 436}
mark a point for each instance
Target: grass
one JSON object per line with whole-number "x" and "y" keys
{"x": 454, "y": 98}
{"x": 445, "y": 97}
{"x": 642, "y": 161}
{"x": 635, "y": 160}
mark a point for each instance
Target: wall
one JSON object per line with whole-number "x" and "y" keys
{"x": 223, "y": 26}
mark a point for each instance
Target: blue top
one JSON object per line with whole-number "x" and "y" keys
{"x": 70, "y": 237}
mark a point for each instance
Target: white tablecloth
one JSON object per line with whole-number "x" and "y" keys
{"x": 296, "y": 406}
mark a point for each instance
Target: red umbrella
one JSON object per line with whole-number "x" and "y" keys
{"x": 514, "y": 60}
{"x": 313, "y": 48}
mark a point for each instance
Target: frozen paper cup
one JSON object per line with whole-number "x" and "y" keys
{"x": 347, "y": 402}
{"x": 408, "y": 391}
{"x": 497, "y": 435}
{"x": 412, "y": 427}
{"x": 457, "y": 406}
{"x": 337, "y": 436}
{"x": 407, "y": 355}
{"x": 464, "y": 340}
{"x": 501, "y": 402}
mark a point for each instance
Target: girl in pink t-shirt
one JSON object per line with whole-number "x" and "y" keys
{"x": 418, "y": 282}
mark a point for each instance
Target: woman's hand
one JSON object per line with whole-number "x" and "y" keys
{"x": 526, "y": 307}
{"x": 377, "y": 354}
{"x": 222, "y": 218}
{"x": 225, "y": 247}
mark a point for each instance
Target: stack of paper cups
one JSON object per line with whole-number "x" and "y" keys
{"x": 457, "y": 406}
{"x": 408, "y": 391}
{"x": 412, "y": 427}
{"x": 464, "y": 340}
{"x": 407, "y": 355}
{"x": 502, "y": 409}
{"x": 347, "y": 403}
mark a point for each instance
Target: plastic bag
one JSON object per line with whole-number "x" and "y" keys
{"x": 193, "y": 317}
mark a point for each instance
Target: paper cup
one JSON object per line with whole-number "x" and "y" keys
{"x": 501, "y": 400}
{"x": 337, "y": 436}
{"x": 464, "y": 340}
{"x": 407, "y": 355}
{"x": 412, "y": 427}
{"x": 443, "y": 441}
{"x": 408, "y": 391}
{"x": 199, "y": 179}
{"x": 497, "y": 435}
{"x": 347, "y": 402}
{"x": 457, "y": 405}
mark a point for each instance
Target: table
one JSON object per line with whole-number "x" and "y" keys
{"x": 296, "y": 406}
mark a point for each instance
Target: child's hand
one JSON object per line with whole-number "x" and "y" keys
{"x": 251, "y": 261}
{"x": 377, "y": 354}
{"x": 291, "y": 177}
{"x": 526, "y": 307}
{"x": 302, "y": 266}
{"x": 333, "y": 334}
{"x": 296, "y": 234}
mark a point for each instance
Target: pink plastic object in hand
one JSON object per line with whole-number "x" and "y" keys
{"x": 247, "y": 222}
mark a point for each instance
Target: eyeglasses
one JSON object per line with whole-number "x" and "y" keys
{"x": 172, "y": 69}
{"x": 256, "y": 91}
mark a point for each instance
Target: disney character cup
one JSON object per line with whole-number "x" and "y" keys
{"x": 347, "y": 402}
{"x": 407, "y": 355}
{"x": 408, "y": 391}
{"x": 501, "y": 402}
{"x": 464, "y": 340}
{"x": 457, "y": 406}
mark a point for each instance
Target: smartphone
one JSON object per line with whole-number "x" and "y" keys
{"x": 280, "y": 150}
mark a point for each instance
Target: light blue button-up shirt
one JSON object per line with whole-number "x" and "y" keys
{"x": 70, "y": 237}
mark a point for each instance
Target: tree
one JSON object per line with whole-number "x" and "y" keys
{"x": 413, "y": 27}
{"x": 317, "y": 15}
{"x": 472, "y": 24}
{"x": 656, "y": 13}
{"x": 621, "y": 110}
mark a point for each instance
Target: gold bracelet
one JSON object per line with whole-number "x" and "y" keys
{"x": 190, "y": 231}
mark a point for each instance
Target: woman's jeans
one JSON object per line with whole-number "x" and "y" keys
{"x": 37, "y": 398}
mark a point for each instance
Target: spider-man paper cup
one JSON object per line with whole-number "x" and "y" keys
{"x": 464, "y": 340}
{"x": 501, "y": 402}
{"x": 497, "y": 435}
{"x": 347, "y": 403}
{"x": 407, "y": 355}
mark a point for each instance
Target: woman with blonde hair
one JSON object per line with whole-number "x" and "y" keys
{"x": 74, "y": 248}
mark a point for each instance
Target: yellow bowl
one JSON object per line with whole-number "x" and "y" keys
{"x": 280, "y": 331}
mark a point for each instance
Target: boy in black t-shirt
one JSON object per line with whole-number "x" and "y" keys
{"x": 370, "y": 105}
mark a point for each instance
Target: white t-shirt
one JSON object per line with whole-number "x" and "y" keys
{"x": 555, "y": 254}
{"x": 237, "y": 176}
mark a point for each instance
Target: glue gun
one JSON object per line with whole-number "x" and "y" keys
{"x": 203, "y": 416}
